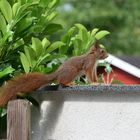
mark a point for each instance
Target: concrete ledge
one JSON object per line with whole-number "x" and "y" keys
{"x": 107, "y": 93}
{"x": 123, "y": 89}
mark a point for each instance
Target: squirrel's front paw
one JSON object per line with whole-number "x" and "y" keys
{"x": 95, "y": 84}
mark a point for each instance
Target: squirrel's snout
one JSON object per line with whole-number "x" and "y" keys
{"x": 106, "y": 55}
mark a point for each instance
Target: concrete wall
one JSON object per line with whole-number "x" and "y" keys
{"x": 87, "y": 116}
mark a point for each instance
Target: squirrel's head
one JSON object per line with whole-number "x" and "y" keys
{"x": 99, "y": 51}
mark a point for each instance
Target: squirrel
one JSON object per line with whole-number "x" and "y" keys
{"x": 64, "y": 75}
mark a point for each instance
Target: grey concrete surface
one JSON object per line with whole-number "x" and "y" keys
{"x": 87, "y": 113}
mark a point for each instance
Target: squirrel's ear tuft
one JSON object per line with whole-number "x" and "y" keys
{"x": 96, "y": 45}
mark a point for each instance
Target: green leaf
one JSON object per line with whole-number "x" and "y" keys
{"x": 15, "y": 8}
{"x": 101, "y": 34}
{"x": 82, "y": 40}
{"x": 22, "y": 1}
{"x": 55, "y": 46}
{"x": 67, "y": 38}
{"x": 2, "y": 24}
{"x": 51, "y": 16}
{"x": 3, "y": 112}
{"x": 7, "y": 36}
{"x": 52, "y": 28}
{"x": 78, "y": 49}
{"x": 80, "y": 26}
{"x": 48, "y": 58}
{"x": 53, "y": 3}
{"x": 23, "y": 25}
{"x": 25, "y": 62}
{"x": 94, "y": 31}
{"x": 6, "y": 10}
{"x": 23, "y": 10}
{"x": 83, "y": 33}
{"x": 45, "y": 43}
{"x": 47, "y": 69}
{"x": 43, "y": 58}
{"x": 37, "y": 46}
{"x": 20, "y": 20}
{"x": 44, "y": 3}
{"x": 32, "y": 56}
{"x": 6, "y": 71}
{"x": 18, "y": 44}
{"x": 27, "y": 54}
{"x": 92, "y": 36}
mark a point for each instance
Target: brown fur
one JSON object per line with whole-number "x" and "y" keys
{"x": 64, "y": 75}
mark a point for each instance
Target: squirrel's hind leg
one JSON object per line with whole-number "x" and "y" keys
{"x": 68, "y": 85}
{"x": 67, "y": 76}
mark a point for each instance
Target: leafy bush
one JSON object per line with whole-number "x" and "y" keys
{"x": 81, "y": 39}
{"x": 38, "y": 55}
{"x": 23, "y": 22}
{"x": 20, "y": 21}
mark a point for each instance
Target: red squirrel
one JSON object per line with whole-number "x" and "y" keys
{"x": 64, "y": 75}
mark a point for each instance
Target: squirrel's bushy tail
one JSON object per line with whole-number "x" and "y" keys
{"x": 24, "y": 83}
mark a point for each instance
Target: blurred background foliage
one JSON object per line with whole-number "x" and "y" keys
{"x": 120, "y": 17}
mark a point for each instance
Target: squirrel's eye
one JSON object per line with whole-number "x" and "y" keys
{"x": 102, "y": 51}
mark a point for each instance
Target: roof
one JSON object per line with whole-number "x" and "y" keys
{"x": 124, "y": 65}
{"x": 134, "y": 60}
